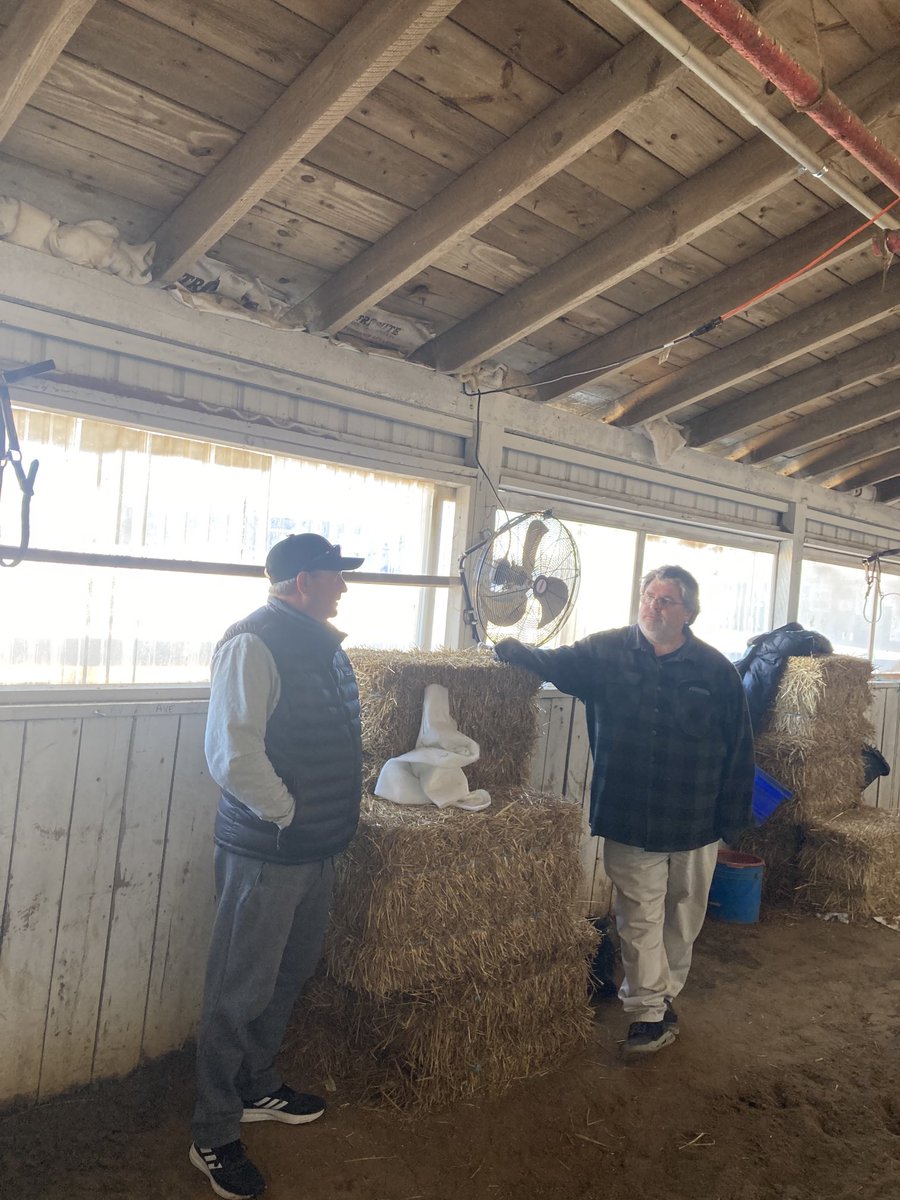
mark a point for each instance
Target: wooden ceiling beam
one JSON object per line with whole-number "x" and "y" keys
{"x": 871, "y": 470}
{"x": 747, "y": 174}
{"x": 356, "y": 59}
{"x": 29, "y": 46}
{"x": 804, "y": 332}
{"x": 847, "y": 414}
{"x": 642, "y": 337}
{"x": 542, "y": 148}
{"x": 842, "y": 371}
{"x": 846, "y": 453}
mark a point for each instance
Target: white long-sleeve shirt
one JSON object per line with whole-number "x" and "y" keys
{"x": 244, "y": 690}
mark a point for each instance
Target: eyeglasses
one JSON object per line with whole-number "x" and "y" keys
{"x": 663, "y": 602}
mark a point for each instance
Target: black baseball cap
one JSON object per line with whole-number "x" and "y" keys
{"x": 306, "y": 552}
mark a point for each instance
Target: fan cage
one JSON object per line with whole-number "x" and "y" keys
{"x": 529, "y": 600}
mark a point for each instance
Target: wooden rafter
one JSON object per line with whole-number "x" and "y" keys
{"x": 369, "y": 46}
{"x": 29, "y": 46}
{"x": 644, "y": 335}
{"x": 842, "y": 371}
{"x": 749, "y": 173}
{"x": 842, "y": 417}
{"x": 847, "y": 451}
{"x": 871, "y": 470}
{"x": 802, "y": 333}
{"x": 546, "y": 145}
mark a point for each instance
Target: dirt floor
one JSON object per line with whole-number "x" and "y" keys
{"x": 784, "y": 1084}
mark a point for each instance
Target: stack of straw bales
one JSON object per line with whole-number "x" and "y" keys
{"x": 851, "y": 863}
{"x": 812, "y": 743}
{"x": 455, "y": 962}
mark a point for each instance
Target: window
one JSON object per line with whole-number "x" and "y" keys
{"x": 833, "y": 601}
{"x": 105, "y": 489}
{"x": 735, "y": 588}
{"x": 607, "y": 569}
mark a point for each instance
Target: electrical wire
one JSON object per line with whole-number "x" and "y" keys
{"x": 705, "y": 327}
{"x": 812, "y": 263}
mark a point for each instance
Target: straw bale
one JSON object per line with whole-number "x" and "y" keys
{"x": 852, "y": 864}
{"x": 424, "y": 895}
{"x": 825, "y": 778}
{"x": 491, "y": 702}
{"x": 778, "y": 844}
{"x": 432, "y": 1047}
{"x": 822, "y": 697}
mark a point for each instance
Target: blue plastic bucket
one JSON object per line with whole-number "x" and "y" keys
{"x": 736, "y": 887}
{"x": 767, "y": 795}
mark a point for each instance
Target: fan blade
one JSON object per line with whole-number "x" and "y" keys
{"x": 533, "y": 535}
{"x": 552, "y": 595}
{"x": 502, "y": 608}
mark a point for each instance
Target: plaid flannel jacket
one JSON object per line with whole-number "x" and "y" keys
{"x": 670, "y": 737}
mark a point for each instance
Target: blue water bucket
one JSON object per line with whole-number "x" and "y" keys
{"x": 768, "y": 793}
{"x": 736, "y": 887}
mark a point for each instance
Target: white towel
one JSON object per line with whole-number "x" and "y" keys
{"x": 433, "y": 772}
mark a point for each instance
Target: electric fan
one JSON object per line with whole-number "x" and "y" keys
{"x": 524, "y": 581}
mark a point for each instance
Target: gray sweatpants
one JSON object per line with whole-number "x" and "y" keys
{"x": 267, "y": 938}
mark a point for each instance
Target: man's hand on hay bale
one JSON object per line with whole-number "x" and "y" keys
{"x": 510, "y": 651}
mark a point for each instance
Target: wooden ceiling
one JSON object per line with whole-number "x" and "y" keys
{"x": 507, "y": 190}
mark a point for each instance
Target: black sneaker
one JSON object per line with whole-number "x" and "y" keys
{"x": 646, "y": 1037}
{"x": 294, "y": 1108}
{"x": 229, "y": 1170}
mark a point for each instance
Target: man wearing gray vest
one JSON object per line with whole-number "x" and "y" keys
{"x": 283, "y": 743}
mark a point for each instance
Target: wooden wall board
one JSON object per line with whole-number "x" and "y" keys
{"x": 559, "y": 724}
{"x": 186, "y": 898}
{"x": 81, "y": 938}
{"x": 539, "y": 754}
{"x": 33, "y": 896}
{"x": 135, "y": 895}
{"x": 889, "y": 787}
{"x": 12, "y": 735}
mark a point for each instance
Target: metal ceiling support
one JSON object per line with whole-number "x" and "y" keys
{"x": 646, "y": 16}
{"x": 807, "y": 94}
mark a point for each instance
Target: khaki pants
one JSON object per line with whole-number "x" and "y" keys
{"x": 660, "y": 905}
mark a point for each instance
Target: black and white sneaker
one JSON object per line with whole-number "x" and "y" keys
{"x": 646, "y": 1037}
{"x": 229, "y": 1170}
{"x": 294, "y": 1108}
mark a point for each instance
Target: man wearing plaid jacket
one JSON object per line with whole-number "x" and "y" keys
{"x": 673, "y": 773}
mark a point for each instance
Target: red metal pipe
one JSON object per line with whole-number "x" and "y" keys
{"x": 738, "y": 28}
